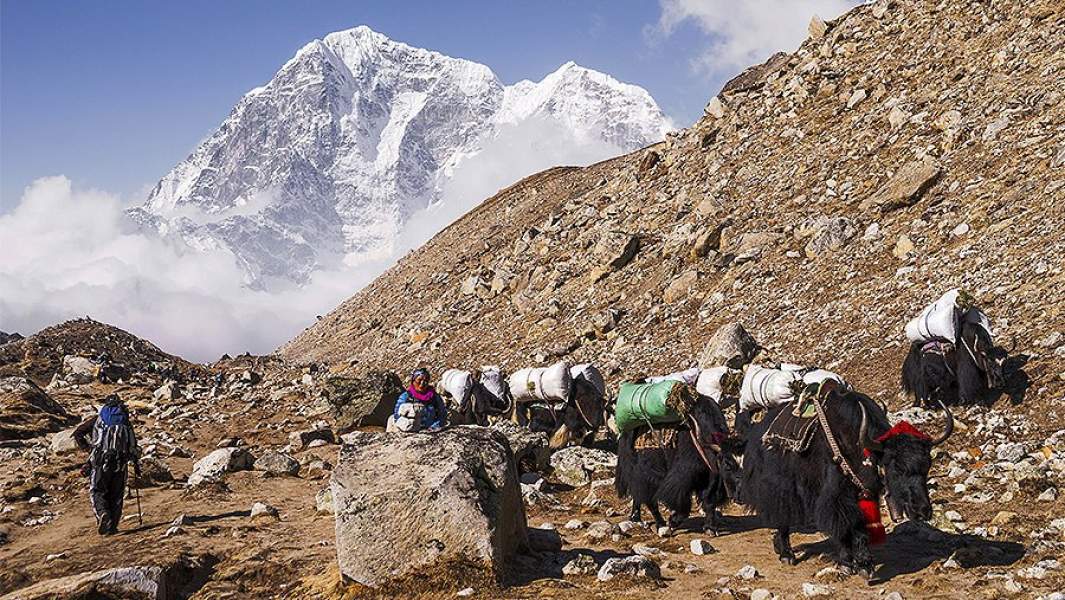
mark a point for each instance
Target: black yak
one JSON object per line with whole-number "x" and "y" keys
{"x": 479, "y": 406}
{"x": 694, "y": 460}
{"x": 793, "y": 489}
{"x": 580, "y": 417}
{"x": 963, "y": 372}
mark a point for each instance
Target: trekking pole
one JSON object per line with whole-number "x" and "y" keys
{"x": 140, "y": 519}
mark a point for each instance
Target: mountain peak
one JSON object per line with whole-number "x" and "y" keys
{"x": 354, "y": 135}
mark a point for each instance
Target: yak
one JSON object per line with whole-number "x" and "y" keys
{"x": 580, "y": 417}
{"x": 696, "y": 461}
{"x": 795, "y": 489}
{"x": 481, "y": 403}
{"x": 962, "y": 372}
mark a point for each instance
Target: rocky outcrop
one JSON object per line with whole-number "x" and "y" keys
{"x": 730, "y": 345}
{"x": 419, "y": 504}
{"x": 132, "y": 583}
{"x": 365, "y": 400}
{"x": 26, "y": 411}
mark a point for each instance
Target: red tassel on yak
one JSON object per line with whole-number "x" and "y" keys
{"x": 870, "y": 509}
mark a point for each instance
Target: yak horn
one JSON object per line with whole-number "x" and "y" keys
{"x": 560, "y": 438}
{"x": 863, "y": 432}
{"x": 950, "y": 425}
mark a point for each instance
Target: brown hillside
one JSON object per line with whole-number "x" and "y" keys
{"x": 822, "y": 201}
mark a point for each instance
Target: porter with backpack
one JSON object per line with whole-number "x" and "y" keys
{"x": 112, "y": 446}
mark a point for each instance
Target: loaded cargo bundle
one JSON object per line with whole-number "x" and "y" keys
{"x": 410, "y": 418}
{"x": 711, "y": 383}
{"x": 544, "y": 384}
{"x": 458, "y": 384}
{"x": 661, "y": 403}
{"x": 766, "y": 388}
{"x": 589, "y": 373}
{"x": 687, "y": 376}
{"x": 493, "y": 380}
{"x": 940, "y": 319}
{"x": 813, "y": 374}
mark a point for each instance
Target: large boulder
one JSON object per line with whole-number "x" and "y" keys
{"x": 277, "y": 463}
{"x": 79, "y": 369}
{"x": 415, "y": 505}
{"x": 365, "y": 400}
{"x": 140, "y": 583}
{"x": 730, "y": 345}
{"x": 26, "y": 411}
{"x": 577, "y": 465}
{"x": 216, "y": 464}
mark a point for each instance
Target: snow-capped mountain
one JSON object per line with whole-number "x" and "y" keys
{"x": 355, "y": 134}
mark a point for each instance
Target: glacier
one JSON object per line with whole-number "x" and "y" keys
{"x": 356, "y": 134}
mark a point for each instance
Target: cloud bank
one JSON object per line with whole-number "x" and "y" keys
{"x": 72, "y": 252}
{"x": 743, "y": 33}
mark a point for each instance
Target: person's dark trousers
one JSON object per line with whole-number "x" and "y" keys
{"x": 107, "y": 490}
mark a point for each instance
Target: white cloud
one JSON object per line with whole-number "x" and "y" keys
{"x": 72, "y": 252}
{"x": 746, "y": 32}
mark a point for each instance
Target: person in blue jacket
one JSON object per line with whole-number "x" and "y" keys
{"x": 421, "y": 392}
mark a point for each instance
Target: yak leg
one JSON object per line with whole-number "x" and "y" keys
{"x": 712, "y": 524}
{"x": 854, "y": 555}
{"x": 635, "y": 515}
{"x": 782, "y": 545}
{"x": 653, "y": 507}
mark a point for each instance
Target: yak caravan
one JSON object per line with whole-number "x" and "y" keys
{"x": 811, "y": 345}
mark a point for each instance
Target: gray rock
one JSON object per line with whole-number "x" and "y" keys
{"x": 813, "y": 590}
{"x": 264, "y": 512}
{"x": 730, "y": 345}
{"x": 277, "y": 463}
{"x": 63, "y": 442}
{"x": 830, "y": 234}
{"x": 906, "y": 187}
{"x": 323, "y": 502}
{"x": 747, "y": 573}
{"x": 434, "y": 499}
{"x": 636, "y": 566}
{"x": 582, "y": 564}
{"x": 761, "y": 594}
{"x": 364, "y": 400}
{"x": 78, "y": 369}
{"x": 219, "y": 462}
{"x": 575, "y": 465}
{"x": 701, "y": 547}
{"x": 167, "y": 392}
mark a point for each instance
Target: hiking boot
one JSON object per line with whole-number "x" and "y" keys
{"x": 104, "y": 526}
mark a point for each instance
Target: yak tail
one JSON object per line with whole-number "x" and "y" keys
{"x": 912, "y": 375}
{"x": 626, "y": 463}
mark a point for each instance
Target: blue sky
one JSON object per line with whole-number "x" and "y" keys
{"x": 113, "y": 94}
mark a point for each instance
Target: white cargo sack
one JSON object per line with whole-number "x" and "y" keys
{"x": 492, "y": 379}
{"x": 812, "y": 375}
{"x": 766, "y": 388}
{"x": 589, "y": 373}
{"x": 410, "y": 418}
{"x": 687, "y": 377}
{"x": 709, "y": 383}
{"x": 936, "y": 321}
{"x": 547, "y": 384}
{"x": 458, "y": 384}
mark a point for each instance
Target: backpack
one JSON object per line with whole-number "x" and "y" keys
{"x": 112, "y": 448}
